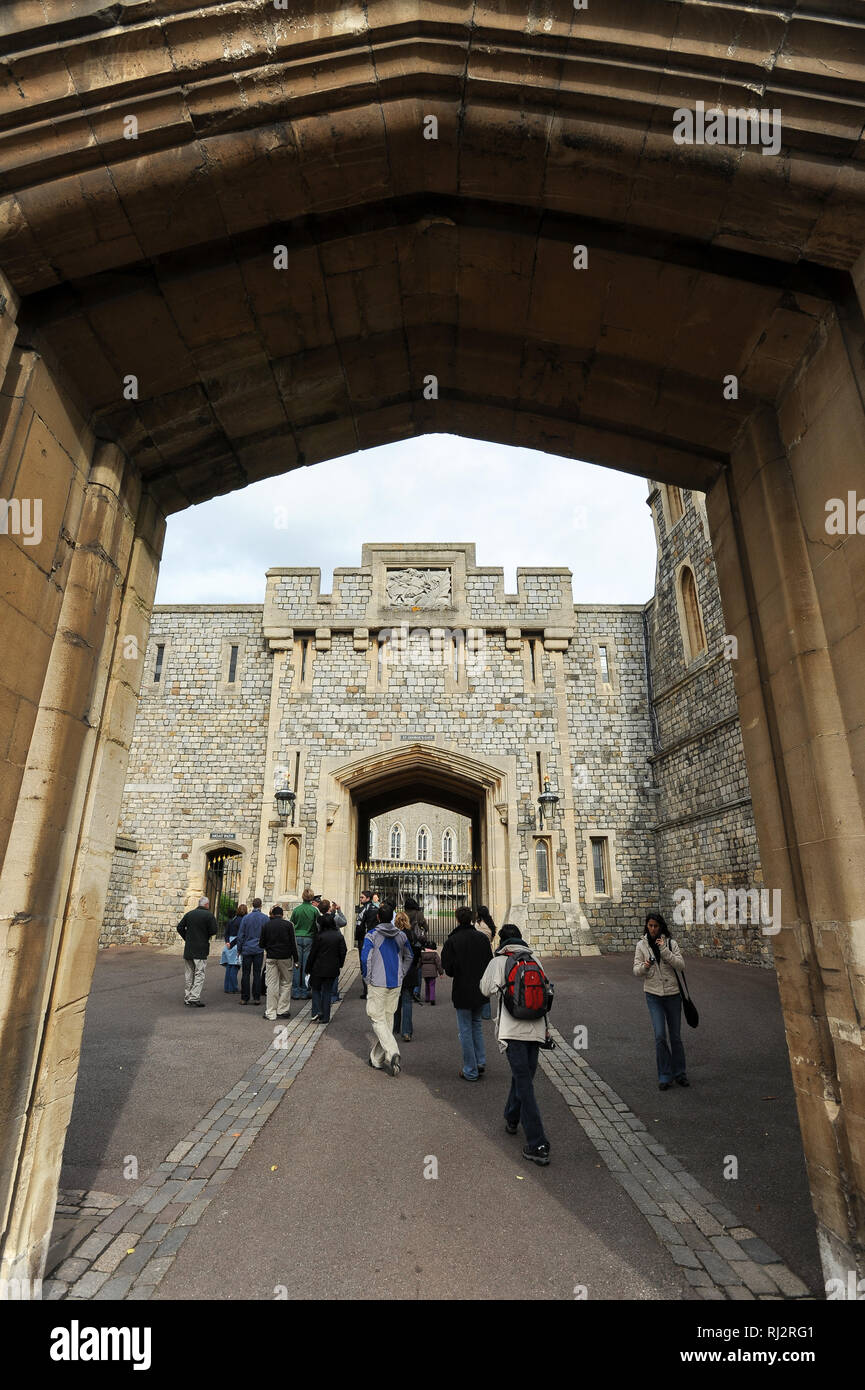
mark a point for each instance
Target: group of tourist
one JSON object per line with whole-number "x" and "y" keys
{"x": 297, "y": 957}
{"x": 305, "y": 954}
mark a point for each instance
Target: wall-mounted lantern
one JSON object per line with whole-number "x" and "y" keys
{"x": 285, "y": 799}
{"x": 547, "y": 802}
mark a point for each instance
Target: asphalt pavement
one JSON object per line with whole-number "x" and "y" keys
{"x": 336, "y": 1195}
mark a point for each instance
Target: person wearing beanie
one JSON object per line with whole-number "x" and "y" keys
{"x": 520, "y": 1039}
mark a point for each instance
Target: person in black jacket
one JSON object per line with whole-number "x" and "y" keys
{"x": 367, "y": 919}
{"x": 324, "y": 963}
{"x": 465, "y": 956}
{"x": 196, "y": 928}
{"x": 233, "y": 927}
{"x": 278, "y": 940}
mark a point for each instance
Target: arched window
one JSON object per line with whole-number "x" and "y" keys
{"x": 542, "y": 860}
{"x": 675, "y": 504}
{"x": 422, "y": 845}
{"x": 448, "y": 841}
{"x": 693, "y": 633}
{"x": 396, "y": 842}
{"x": 292, "y": 864}
{"x": 372, "y": 841}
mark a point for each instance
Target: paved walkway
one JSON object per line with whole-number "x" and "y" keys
{"x": 324, "y": 1192}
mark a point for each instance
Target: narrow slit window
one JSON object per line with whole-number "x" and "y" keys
{"x": 534, "y": 660}
{"x": 540, "y": 774}
{"x": 381, "y": 658}
{"x": 304, "y": 645}
{"x": 542, "y": 859}
{"x": 599, "y": 865}
{"x": 605, "y": 665}
{"x": 232, "y": 665}
{"x": 157, "y": 670}
{"x": 457, "y": 653}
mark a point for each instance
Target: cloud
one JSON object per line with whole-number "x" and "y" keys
{"x": 520, "y": 507}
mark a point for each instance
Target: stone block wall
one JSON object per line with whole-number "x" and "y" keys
{"x": 196, "y": 762}
{"x": 611, "y": 742}
{"x": 703, "y": 820}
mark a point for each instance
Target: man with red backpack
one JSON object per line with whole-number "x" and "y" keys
{"x": 516, "y": 976}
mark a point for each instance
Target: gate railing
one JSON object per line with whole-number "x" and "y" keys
{"x": 222, "y": 884}
{"x": 437, "y": 888}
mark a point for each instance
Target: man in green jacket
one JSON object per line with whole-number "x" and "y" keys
{"x": 304, "y": 919}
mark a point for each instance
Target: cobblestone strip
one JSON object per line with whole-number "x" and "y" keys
{"x": 130, "y": 1245}
{"x": 720, "y": 1257}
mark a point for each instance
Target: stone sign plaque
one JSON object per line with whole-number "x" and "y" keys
{"x": 414, "y": 588}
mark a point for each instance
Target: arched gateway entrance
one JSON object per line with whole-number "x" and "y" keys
{"x": 442, "y": 776}
{"x": 250, "y": 285}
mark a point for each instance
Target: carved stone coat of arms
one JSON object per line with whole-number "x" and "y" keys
{"x": 413, "y": 588}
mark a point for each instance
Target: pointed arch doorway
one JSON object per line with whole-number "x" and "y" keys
{"x": 439, "y": 774}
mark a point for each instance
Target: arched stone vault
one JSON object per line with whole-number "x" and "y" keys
{"x": 408, "y": 258}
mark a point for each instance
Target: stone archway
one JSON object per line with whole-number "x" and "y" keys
{"x": 484, "y": 787}
{"x": 199, "y": 855}
{"x": 153, "y": 355}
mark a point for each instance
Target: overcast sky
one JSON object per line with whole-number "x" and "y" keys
{"x": 521, "y": 508}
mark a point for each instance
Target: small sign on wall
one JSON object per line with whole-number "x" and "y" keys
{"x": 223, "y": 835}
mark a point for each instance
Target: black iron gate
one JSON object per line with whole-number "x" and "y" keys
{"x": 438, "y": 889}
{"x": 222, "y": 883}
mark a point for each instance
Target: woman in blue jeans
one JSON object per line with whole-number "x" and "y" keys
{"x": 656, "y": 960}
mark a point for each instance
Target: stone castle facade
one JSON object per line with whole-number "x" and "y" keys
{"x": 419, "y": 682}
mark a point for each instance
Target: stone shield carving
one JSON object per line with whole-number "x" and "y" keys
{"x": 413, "y": 588}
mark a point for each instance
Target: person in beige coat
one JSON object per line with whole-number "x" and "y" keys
{"x": 656, "y": 960}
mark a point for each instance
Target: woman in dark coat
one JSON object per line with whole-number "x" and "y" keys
{"x": 323, "y": 964}
{"x": 418, "y": 938}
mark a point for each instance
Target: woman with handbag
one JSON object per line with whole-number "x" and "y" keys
{"x": 656, "y": 961}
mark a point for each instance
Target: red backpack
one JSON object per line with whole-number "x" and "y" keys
{"x": 526, "y": 991}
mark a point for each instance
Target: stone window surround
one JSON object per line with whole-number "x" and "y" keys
{"x": 669, "y": 523}
{"x": 373, "y": 684}
{"x": 454, "y": 684}
{"x": 224, "y": 686}
{"x": 542, "y": 837}
{"x": 612, "y": 688}
{"x": 546, "y": 752}
{"x": 303, "y": 686}
{"x": 425, "y": 857}
{"x": 290, "y": 894}
{"x": 690, "y": 657}
{"x": 150, "y": 687}
{"x": 602, "y": 832}
{"x": 537, "y": 684}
